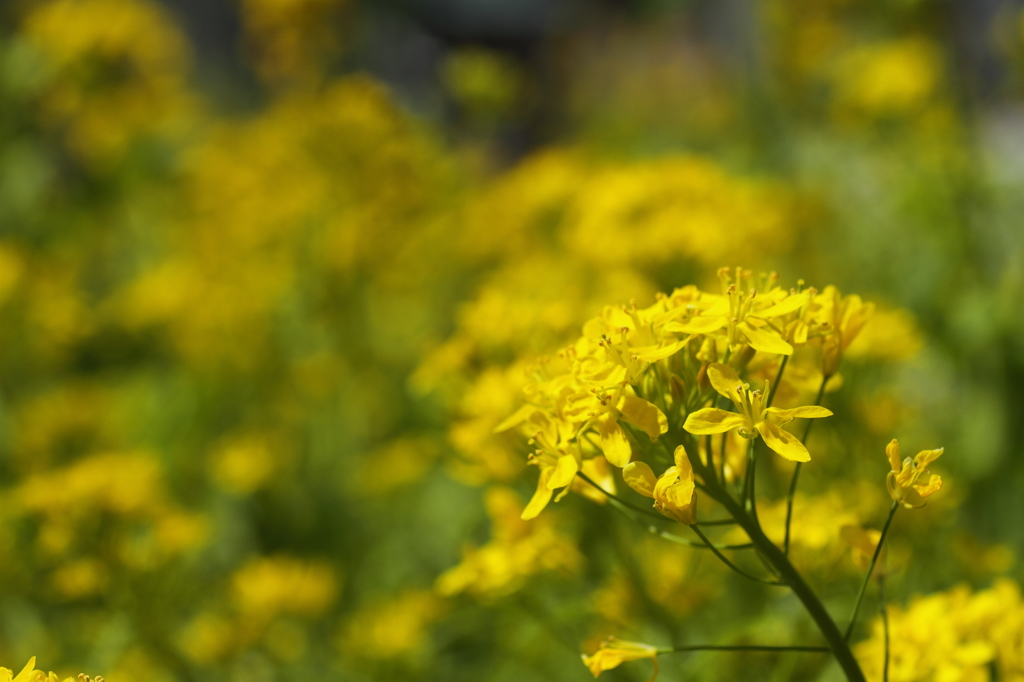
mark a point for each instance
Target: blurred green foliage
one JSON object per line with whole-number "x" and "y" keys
{"x": 251, "y": 361}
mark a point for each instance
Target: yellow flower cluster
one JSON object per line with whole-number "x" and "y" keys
{"x": 516, "y": 551}
{"x": 636, "y": 373}
{"x": 954, "y": 635}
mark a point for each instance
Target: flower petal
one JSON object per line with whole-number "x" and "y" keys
{"x": 540, "y": 498}
{"x": 712, "y": 420}
{"x": 613, "y": 441}
{"x": 926, "y": 457}
{"x": 563, "y": 473}
{"x": 640, "y": 478}
{"x": 892, "y": 451}
{"x": 644, "y": 415}
{"x": 788, "y": 305}
{"x": 783, "y": 442}
{"x": 764, "y": 341}
{"x": 516, "y": 418}
{"x": 683, "y": 463}
{"x": 655, "y": 353}
{"x": 697, "y": 325}
{"x": 725, "y": 380}
{"x": 933, "y": 486}
{"x": 805, "y": 412}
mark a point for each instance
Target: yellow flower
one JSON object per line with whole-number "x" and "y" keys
{"x": 752, "y": 419}
{"x": 558, "y": 461}
{"x": 745, "y": 314}
{"x": 30, "y": 674}
{"x": 902, "y": 481}
{"x": 844, "y": 317}
{"x": 613, "y": 652}
{"x": 673, "y": 492}
{"x": 862, "y": 542}
{"x": 595, "y": 405}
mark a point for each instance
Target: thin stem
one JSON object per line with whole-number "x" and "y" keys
{"x": 790, "y": 576}
{"x": 796, "y": 470}
{"x": 744, "y": 647}
{"x": 751, "y": 500}
{"x": 626, "y": 503}
{"x": 728, "y": 563}
{"x": 871, "y": 569}
{"x": 885, "y": 624}
{"x": 778, "y": 380}
{"x": 672, "y": 537}
{"x": 722, "y": 454}
{"x": 621, "y": 505}
{"x": 711, "y": 458}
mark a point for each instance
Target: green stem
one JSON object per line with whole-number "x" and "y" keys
{"x": 790, "y": 576}
{"x": 778, "y": 380}
{"x": 728, "y": 563}
{"x": 625, "y": 503}
{"x": 885, "y": 624}
{"x": 751, "y": 497}
{"x": 622, "y": 505}
{"x": 672, "y": 537}
{"x": 743, "y": 647}
{"x": 871, "y": 569}
{"x": 796, "y": 470}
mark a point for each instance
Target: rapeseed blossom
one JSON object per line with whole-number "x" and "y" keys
{"x": 673, "y": 492}
{"x": 614, "y": 652}
{"x": 30, "y": 674}
{"x": 753, "y": 418}
{"x": 953, "y": 635}
{"x": 903, "y": 481}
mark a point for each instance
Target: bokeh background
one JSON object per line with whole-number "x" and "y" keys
{"x": 270, "y": 270}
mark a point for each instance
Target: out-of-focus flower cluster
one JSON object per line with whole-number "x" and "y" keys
{"x": 257, "y": 368}
{"x": 954, "y": 635}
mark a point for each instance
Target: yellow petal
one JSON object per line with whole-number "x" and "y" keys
{"x": 655, "y": 353}
{"x": 565, "y": 470}
{"x": 805, "y": 412}
{"x": 725, "y": 380}
{"x": 643, "y": 414}
{"x": 697, "y": 325}
{"x": 926, "y": 457}
{"x": 540, "y": 498}
{"x": 764, "y": 341}
{"x": 614, "y": 652}
{"x": 640, "y": 478}
{"x": 712, "y": 420}
{"x": 29, "y": 668}
{"x": 783, "y": 442}
{"x": 788, "y": 305}
{"x": 683, "y": 463}
{"x": 613, "y": 441}
{"x": 892, "y": 450}
{"x": 516, "y": 418}
{"x": 933, "y": 486}
{"x": 855, "y": 316}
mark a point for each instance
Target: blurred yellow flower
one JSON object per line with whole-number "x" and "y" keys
{"x": 517, "y": 549}
{"x": 953, "y": 635}
{"x": 843, "y": 319}
{"x": 902, "y": 481}
{"x": 614, "y": 652}
{"x": 391, "y": 628}
{"x": 862, "y": 543}
{"x": 268, "y": 586}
